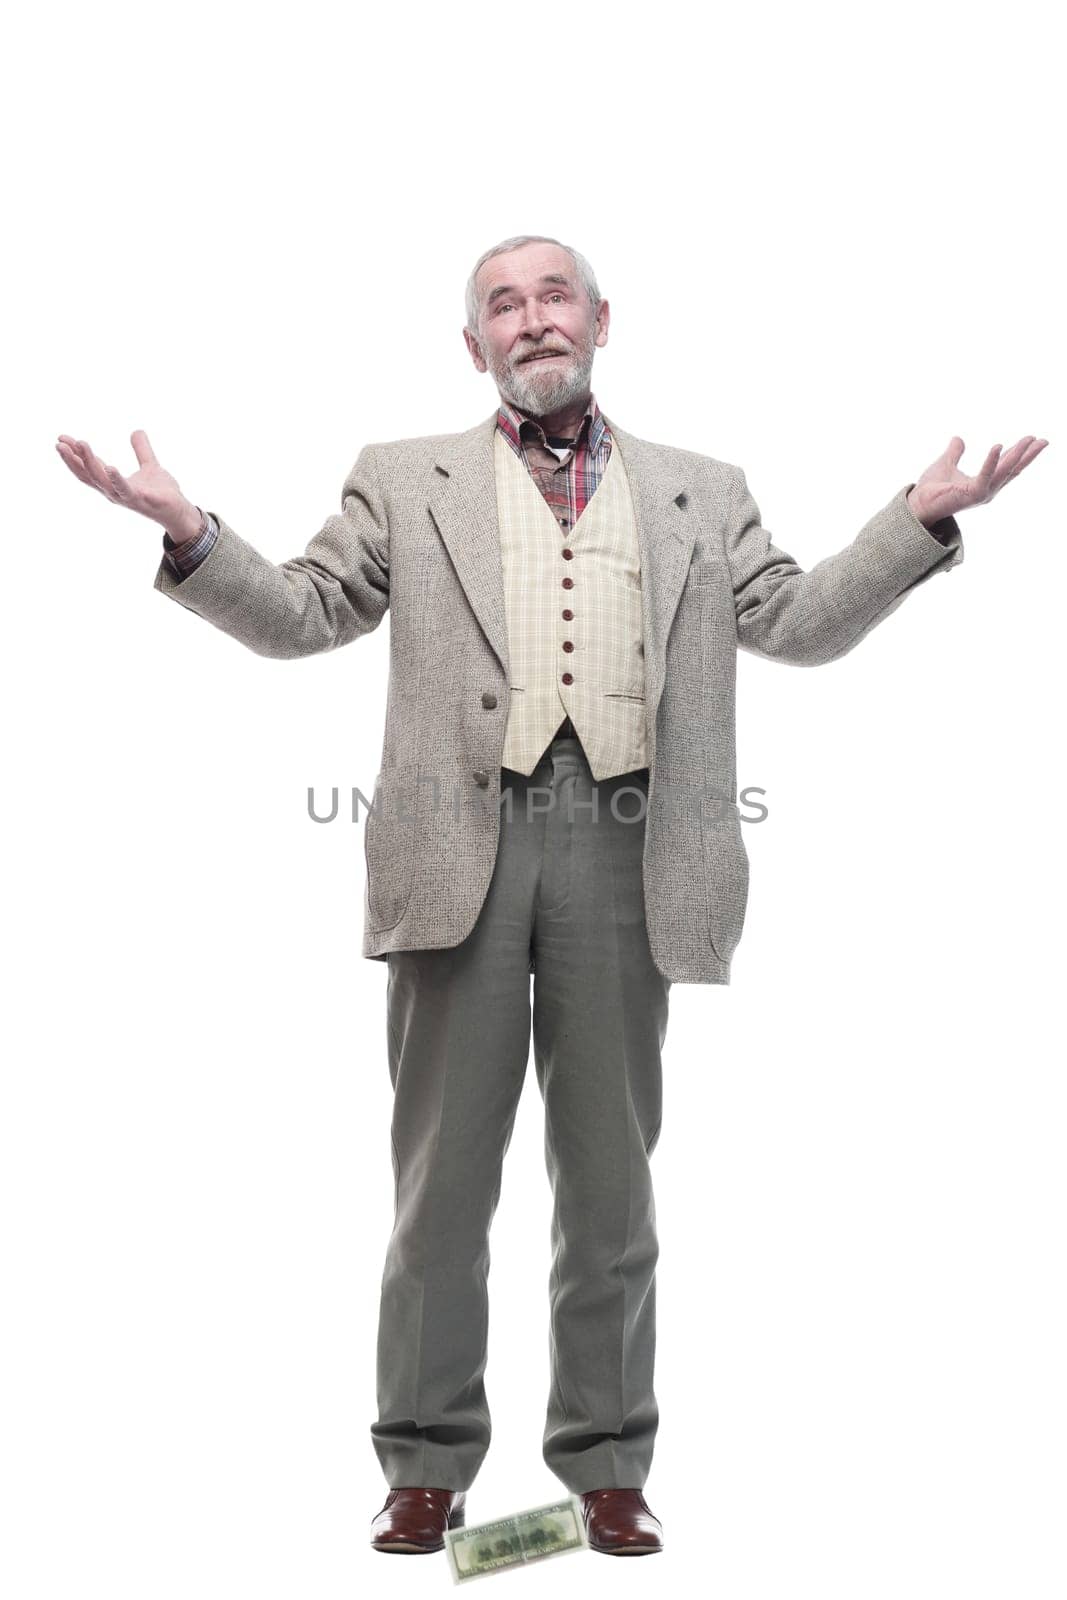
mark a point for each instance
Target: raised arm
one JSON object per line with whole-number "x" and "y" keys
{"x": 336, "y": 591}
{"x": 810, "y": 617}
{"x": 815, "y": 616}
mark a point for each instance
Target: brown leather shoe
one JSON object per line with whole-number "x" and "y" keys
{"x": 619, "y": 1523}
{"x": 413, "y": 1521}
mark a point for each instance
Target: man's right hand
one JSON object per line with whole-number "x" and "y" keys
{"x": 151, "y": 490}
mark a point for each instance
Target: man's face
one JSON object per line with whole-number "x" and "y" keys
{"x": 538, "y": 331}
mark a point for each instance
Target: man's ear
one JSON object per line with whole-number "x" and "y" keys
{"x": 603, "y": 317}
{"x": 475, "y": 350}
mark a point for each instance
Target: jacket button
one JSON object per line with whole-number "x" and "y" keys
{"x": 488, "y": 700}
{"x": 568, "y": 616}
{"x": 568, "y": 555}
{"x": 481, "y": 779}
{"x": 568, "y": 645}
{"x": 568, "y": 677}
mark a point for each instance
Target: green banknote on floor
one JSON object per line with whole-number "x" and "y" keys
{"x": 512, "y": 1541}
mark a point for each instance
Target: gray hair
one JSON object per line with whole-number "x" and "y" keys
{"x": 586, "y": 276}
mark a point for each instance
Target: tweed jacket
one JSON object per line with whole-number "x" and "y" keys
{"x": 418, "y": 534}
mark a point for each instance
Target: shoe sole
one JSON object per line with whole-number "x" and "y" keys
{"x": 403, "y": 1547}
{"x": 627, "y": 1549}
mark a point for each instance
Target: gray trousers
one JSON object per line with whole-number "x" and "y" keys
{"x": 565, "y": 904}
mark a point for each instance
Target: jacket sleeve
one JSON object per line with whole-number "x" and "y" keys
{"x": 809, "y": 617}
{"x": 336, "y": 591}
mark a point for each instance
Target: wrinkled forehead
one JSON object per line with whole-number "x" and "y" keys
{"x": 525, "y": 268}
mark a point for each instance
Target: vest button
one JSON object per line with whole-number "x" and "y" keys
{"x": 568, "y": 616}
{"x": 568, "y": 583}
{"x": 567, "y": 645}
{"x": 568, "y": 555}
{"x": 567, "y": 678}
{"x": 488, "y": 701}
{"x": 481, "y": 779}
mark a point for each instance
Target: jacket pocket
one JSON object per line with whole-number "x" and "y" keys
{"x": 389, "y": 843}
{"x": 725, "y": 873}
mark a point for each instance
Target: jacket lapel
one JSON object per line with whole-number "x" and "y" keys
{"x": 464, "y": 509}
{"x": 666, "y": 535}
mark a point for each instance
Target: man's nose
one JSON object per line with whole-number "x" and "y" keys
{"x": 534, "y": 321}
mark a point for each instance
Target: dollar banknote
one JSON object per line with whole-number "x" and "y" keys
{"x": 509, "y": 1541}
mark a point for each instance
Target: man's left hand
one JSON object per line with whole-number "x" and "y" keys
{"x": 943, "y": 490}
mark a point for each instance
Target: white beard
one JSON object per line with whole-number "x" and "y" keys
{"x": 540, "y": 390}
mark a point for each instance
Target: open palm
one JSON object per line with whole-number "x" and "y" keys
{"x": 943, "y": 489}
{"x": 151, "y": 490}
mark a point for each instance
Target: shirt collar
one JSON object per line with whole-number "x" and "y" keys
{"x": 512, "y": 422}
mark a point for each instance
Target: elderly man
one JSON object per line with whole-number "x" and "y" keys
{"x": 567, "y": 602}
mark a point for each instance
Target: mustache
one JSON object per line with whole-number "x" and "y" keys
{"x": 532, "y": 355}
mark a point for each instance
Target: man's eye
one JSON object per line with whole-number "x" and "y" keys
{"x": 503, "y": 307}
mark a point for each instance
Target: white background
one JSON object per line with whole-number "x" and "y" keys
{"x": 829, "y": 241}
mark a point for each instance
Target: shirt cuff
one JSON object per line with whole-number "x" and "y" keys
{"x": 185, "y": 556}
{"x": 945, "y": 530}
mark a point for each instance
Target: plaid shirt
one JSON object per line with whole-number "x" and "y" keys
{"x": 567, "y": 473}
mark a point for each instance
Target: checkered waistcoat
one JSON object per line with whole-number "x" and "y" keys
{"x": 606, "y": 695}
